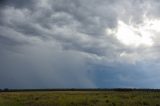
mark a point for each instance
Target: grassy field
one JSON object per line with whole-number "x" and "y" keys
{"x": 80, "y": 98}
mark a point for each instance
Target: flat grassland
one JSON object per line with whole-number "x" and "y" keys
{"x": 80, "y": 98}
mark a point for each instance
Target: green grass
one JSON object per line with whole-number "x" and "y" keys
{"x": 80, "y": 98}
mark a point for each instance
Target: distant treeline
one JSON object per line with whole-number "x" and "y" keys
{"x": 79, "y": 89}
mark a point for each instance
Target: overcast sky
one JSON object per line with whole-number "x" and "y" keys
{"x": 79, "y": 43}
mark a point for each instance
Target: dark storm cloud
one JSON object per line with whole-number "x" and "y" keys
{"x": 16, "y": 3}
{"x": 64, "y": 43}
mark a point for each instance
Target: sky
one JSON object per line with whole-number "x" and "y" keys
{"x": 79, "y": 44}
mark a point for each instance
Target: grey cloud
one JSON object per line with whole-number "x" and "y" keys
{"x": 17, "y": 3}
{"x": 45, "y": 43}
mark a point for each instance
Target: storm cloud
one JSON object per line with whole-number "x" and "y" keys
{"x": 79, "y": 43}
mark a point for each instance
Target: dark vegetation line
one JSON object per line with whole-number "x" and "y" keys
{"x": 77, "y": 89}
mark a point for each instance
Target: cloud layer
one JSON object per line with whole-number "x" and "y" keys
{"x": 74, "y": 43}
